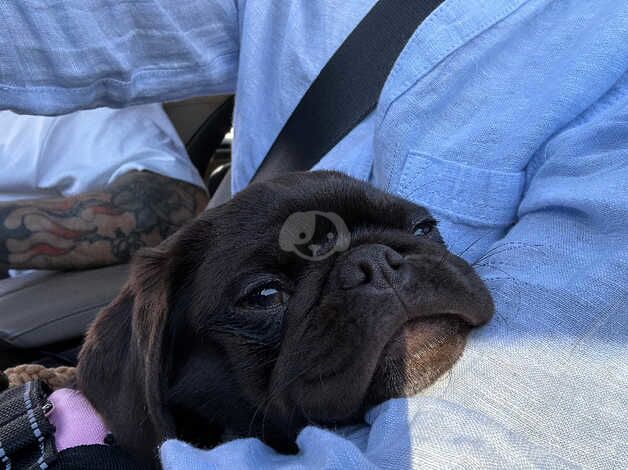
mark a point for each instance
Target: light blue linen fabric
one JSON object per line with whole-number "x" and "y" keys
{"x": 507, "y": 118}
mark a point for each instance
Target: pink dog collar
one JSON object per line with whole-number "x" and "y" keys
{"x": 76, "y": 422}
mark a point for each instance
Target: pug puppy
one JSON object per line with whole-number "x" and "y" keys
{"x": 305, "y": 299}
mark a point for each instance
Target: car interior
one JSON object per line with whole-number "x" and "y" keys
{"x": 50, "y": 331}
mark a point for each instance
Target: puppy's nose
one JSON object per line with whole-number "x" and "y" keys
{"x": 376, "y": 265}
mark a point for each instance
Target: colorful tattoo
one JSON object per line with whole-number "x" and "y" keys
{"x": 94, "y": 229}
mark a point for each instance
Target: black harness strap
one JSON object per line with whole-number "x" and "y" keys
{"x": 347, "y": 88}
{"x": 26, "y": 435}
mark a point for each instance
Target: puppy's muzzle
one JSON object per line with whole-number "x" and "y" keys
{"x": 428, "y": 284}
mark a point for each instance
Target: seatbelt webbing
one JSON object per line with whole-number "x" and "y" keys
{"x": 347, "y": 88}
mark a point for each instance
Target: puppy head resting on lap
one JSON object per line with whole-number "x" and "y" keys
{"x": 306, "y": 299}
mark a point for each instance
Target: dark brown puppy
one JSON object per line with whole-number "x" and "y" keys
{"x": 231, "y": 327}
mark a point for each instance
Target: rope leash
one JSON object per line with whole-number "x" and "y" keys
{"x": 55, "y": 378}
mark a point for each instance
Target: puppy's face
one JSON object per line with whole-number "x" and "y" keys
{"x": 306, "y": 299}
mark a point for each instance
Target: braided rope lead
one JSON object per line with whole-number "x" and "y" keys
{"x": 55, "y": 378}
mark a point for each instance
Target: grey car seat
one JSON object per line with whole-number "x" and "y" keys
{"x": 49, "y": 310}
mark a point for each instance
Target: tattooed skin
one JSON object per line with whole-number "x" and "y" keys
{"x": 96, "y": 229}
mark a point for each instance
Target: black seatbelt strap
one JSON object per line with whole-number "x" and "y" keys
{"x": 26, "y": 435}
{"x": 347, "y": 88}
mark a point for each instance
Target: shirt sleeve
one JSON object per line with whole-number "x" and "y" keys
{"x": 57, "y": 57}
{"x": 89, "y": 150}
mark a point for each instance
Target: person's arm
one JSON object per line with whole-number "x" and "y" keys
{"x": 58, "y": 57}
{"x": 98, "y": 228}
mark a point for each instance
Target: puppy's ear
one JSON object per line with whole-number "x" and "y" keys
{"x": 123, "y": 368}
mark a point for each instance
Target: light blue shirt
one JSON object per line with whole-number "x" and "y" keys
{"x": 508, "y": 119}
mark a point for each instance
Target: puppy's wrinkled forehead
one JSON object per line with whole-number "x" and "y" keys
{"x": 262, "y": 208}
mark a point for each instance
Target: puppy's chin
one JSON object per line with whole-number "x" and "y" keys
{"x": 420, "y": 352}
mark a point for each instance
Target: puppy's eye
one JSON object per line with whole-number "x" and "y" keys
{"x": 266, "y": 297}
{"x": 424, "y": 227}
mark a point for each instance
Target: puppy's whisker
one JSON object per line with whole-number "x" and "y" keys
{"x": 471, "y": 245}
{"x": 253, "y": 338}
{"x": 450, "y": 379}
{"x": 258, "y": 365}
{"x": 442, "y": 260}
{"x": 493, "y": 266}
{"x": 309, "y": 420}
{"x": 498, "y": 250}
{"x": 396, "y": 374}
{"x": 490, "y": 255}
{"x": 506, "y": 247}
{"x": 272, "y": 361}
{"x": 275, "y": 392}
